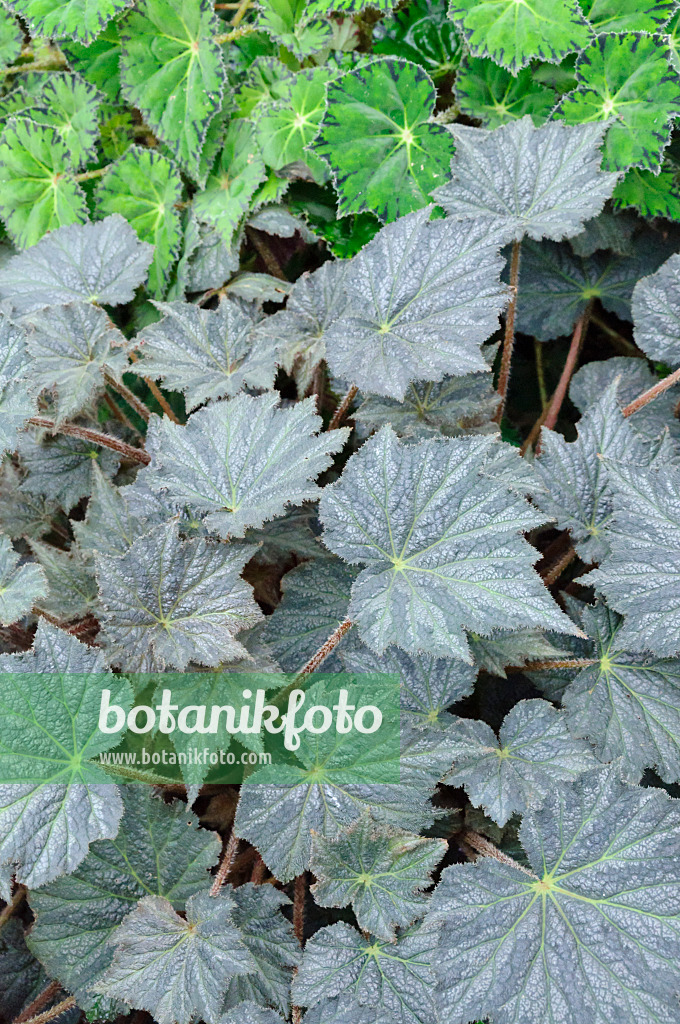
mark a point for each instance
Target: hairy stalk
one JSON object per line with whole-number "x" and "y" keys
{"x": 299, "y": 899}
{"x": 226, "y": 863}
{"x": 237, "y": 33}
{"x": 648, "y": 396}
{"x": 540, "y": 372}
{"x": 242, "y": 10}
{"x": 487, "y": 849}
{"x": 56, "y": 1011}
{"x": 115, "y": 411}
{"x": 509, "y": 338}
{"x": 558, "y": 567}
{"x": 40, "y": 1000}
{"x": 550, "y": 412}
{"x": 15, "y": 902}
{"x": 259, "y": 870}
{"x": 157, "y": 393}
{"x": 341, "y": 411}
{"x": 129, "y": 396}
{"x": 88, "y": 175}
{"x": 105, "y": 440}
{"x": 326, "y": 648}
{"x": 543, "y": 666}
{"x": 54, "y": 64}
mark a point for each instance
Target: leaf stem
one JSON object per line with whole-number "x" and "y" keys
{"x": 105, "y": 440}
{"x": 509, "y": 337}
{"x": 259, "y": 869}
{"x": 88, "y": 175}
{"x": 265, "y": 253}
{"x": 648, "y": 396}
{"x": 341, "y": 411}
{"x": 540, "y": 373}
{"x": 299, "y": 900}
{"x": 129, "y": 396}
{"x": 558, "y": 567}
{"x": 487, "y": 849}
{"x": 325, "y": 649}
{"x": 54, "y": 64}
{"x": 237, "y": 33}
{"x": 16, "y": 901}
{"x": 548, "y": 417}
{"x": 55, "y": 1011}
{"x": 157, "y": 393}
{"x": 40, "y": 1000}
{"x": 226, "y": 863}
{"x": 543, "y": 666}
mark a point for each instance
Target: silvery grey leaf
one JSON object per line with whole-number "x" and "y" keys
{"x": 159, "y": 849}
{"x": 606, "y": 231}
{"x": 633, "y": 377}
{"x": 71, "y": 347}
{"x": 519, "y": 769}
{"x": 423, "y": 297}
{"x": 248, "y": 1012}
{"x": 241, "y": 461}
{"x": 456, "y": 405}
{"x": 542, "y": 182}
{"x": 392, "y": 981}
{"x": 18, "y": 395}
{"x": 54, "y": 799}
{"x": 110, "y": 527}
{"x": 503, "y": 648}
{"x": 298, "y": 331}
{"x": 205, "y": 354}
{"x": 640, "y": 577}
{"x": 103, "y": 262}
{"x": 656, "y": 313}
{"x": 60, "y": 468}
{"x": 168, "y": 602}
{"x": 577, "y": 491}
{"x": 177, "y": 969}
{"x": 314, "y": 602}
{"x": 591, "y": 936}
{"x": 23, "y": 514}
{"x": 441, "y": 544}
{"x": 380, "y": 872}
{"x": 20, "y": 585}
{"x": 71, "y": 590}
{"x": 270, "y": 939}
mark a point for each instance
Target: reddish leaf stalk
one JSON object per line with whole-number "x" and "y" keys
{"x": 157, "y": 393}
{"x": 27, "y": 1016}
{"x": 648, "y": 396}
{"x": 341, "y": 411}
{"x": 556, "y": 570}
{"x": 105, "y": 440}
{"x": 16, "y": 901}
{"x": 323, "y": 652}
{"x": 487, "y": 849}
{"x": 129, "y": 396}
{"x": 509, "y": 338}
{"x": 226, "y": 864}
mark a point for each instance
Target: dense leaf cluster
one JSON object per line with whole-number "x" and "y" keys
{"x": 343, "y": 335}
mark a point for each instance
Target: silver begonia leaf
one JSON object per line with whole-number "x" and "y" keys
{"x": 627, "y": 705}
{"x": 102, "y": 262}
{"x": 380, "y": 872}
{"x": 641, "y": 576}
{"x": 542, "y": 182}
{"x": 422, "y": 299}
{"x": 71, "y": 347}
{"x": 71, "y": 586}
{"x": 391, "y": 981}
{"x": 168, "y": 602}
{"x": 48, "y": 735}
{"x": 577, "y": 491}
{"x": 440, "y": 542}
{"x": 159, "y": 849}
{"x": 519, "y": 769}
{"x": 241, "y": 461}
{"x": 205, "y": 354}
{"x": 20, "y": 585}
{"x": 656, "y": 313}
{"x": 592, "y": 936}
{"x": 177, "y": 969}
{"x": 61, "y": 468}
{"x": 18, "y": 394}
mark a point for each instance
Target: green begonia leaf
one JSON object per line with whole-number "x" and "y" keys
{"x": 171, "y": 69}
{"x": 381, "y": 873}
{"x": 144, "y": 187}
{"x": 101, "y": 262}
{"x": 70, "y": 106}
{"x": 385, "y": 154}
{"x": 286, "y": 127}
{"x": 168, "y": 601}
{"x": 627, "y": 81}
{"x": 37, "y": 189}
{"x": 519, "y": 769}
{"x": 653, "y": 195}
{"x": 78, "y": 19}
{"x": 20, "y": 585}
{"x": 241, "y": 461}
{"x": 295, "y": 25}
{"x": 627, "y": 15}
{"x": 98, "y": 62}
{"x": 494, "y": 96}
{"x": 206, "y": 354}
{"x": 177, "y": 969}
{"x": 11, "y": 38}
{"x": 54, "y": 800}
{"x": 592, "y": 935}
{"x": 437, "y": 561}
{"x": 232, "y": 182}
{"x": 159, "y": 850}
{"x": 513, "y": 33}
{"x": 521, "y": 180}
